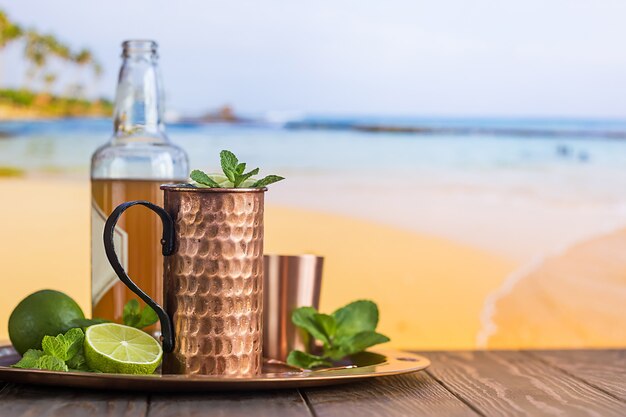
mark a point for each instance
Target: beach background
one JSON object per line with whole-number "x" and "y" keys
{"x": 463, "y": 240}
{"x": 462, "y": 164}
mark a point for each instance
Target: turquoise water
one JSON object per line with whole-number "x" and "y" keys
{"x": 66, "y": 145}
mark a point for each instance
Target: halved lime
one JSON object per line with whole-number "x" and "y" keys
{"x": 115, "y": 348}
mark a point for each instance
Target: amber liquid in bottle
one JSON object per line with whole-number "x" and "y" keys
{"x": 143, "y": 230}
{"x": 131, "y": 166}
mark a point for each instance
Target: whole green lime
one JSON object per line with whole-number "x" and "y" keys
{"x": 45, "y": 312}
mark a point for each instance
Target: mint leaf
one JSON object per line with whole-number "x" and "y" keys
{"x": 305, "y": 360}
{"x": 327, "y": 324}
{"x": 356, "y": 317}
{"x": 36, "y": 359}
{"x": 148, "y": 317}
{"x": 240, "y": 168}
{"x": 356, "y": 343}
{"x": 231, "y": 175}
{"x": 134, "y": 316}
{"x": 270, "y": 179}
{"x": 229, "y": 160}
{"x": 51, "y": 363}
{"x": 131, "y": 313}
{"x": 63, "y": 346}
{"x": 203, "y": 179}
{"x": 229, "y": 164}
{"x": 304, "y": 317}
{"x": 29, "y": 359}
{"x": 55, "y": 346}
{"x": 74, "y": 339}
{"x": 247, "y": 175}
{"x": 78, "y": 362}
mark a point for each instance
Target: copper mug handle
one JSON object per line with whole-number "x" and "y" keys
{"x": 167, "y": 242}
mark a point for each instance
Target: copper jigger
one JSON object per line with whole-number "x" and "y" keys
{"x": 289, "y": 282}
{"x": 212, "y": 280}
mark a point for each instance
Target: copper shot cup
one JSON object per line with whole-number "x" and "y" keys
{"x": 289, "y": 282}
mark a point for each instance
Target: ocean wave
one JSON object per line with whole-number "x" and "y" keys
{"x": 574, "y": 296}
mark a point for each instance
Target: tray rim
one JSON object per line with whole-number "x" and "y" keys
{"x": 398, "y": 363}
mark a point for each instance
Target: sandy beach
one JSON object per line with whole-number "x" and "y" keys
{"x": 447, "y": 287}
{"x": 407, "y": 274}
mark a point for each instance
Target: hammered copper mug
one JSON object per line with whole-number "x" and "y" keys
{"x": 211, "y": 320}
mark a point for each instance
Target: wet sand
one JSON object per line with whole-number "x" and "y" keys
{"x": 574, "y": 298}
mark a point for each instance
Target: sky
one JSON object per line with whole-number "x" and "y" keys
{"x": 554, "y": 58}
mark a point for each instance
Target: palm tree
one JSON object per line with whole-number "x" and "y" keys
{"x": 49, "y": 80}
{"x": 82, "y": 58}
{"x": 62, "y": 52}
{"x": 97, "y": 75}
{"x": 37, "y": 52}
{"x": 97, "y": 69}
{"x": 40, "y": 48}
{"x": 9, "y": 32}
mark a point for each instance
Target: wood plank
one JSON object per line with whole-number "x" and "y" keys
{"x": 39, "y": 401}
{"x": 245, "y": 404}
{"x": 515, "y": 384}
{"x": 407, "y": 395}
{"x": 604, "y": 369}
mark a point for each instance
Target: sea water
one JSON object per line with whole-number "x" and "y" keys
{"x": 541, "y": 165}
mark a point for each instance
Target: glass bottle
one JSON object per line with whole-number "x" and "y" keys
{"x": 131, "y": 166}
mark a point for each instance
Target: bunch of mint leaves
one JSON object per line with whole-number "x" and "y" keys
{"x": 347, "y": 331}
{"x": 65, "y": 353}
{"x": 235, "y": 172}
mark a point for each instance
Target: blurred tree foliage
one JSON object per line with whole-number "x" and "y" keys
{"x": 9, "y": 31}
{"x": 42, "y": 51}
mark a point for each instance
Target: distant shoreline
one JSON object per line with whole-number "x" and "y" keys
{"x": 17, "y": 114}
{"x": 27, "y": 105}
{"x": 415, "y": 128}
{"x": 453, "y": 130}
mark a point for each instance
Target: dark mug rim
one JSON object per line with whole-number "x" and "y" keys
{"x": 193, "y": 189}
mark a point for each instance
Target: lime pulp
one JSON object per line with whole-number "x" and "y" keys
{"x": 115, "y": 348}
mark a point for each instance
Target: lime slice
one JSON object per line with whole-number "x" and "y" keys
{"x": 220, "y": 179}
{"x": 247, "y": 183}
{"x": 114, "y": 348}
{"x": 224, "y": 182}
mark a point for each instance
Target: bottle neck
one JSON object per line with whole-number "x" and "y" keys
{"x": 138, "y": 103}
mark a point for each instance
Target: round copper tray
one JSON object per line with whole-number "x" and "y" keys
{"x": 372, "y": 364}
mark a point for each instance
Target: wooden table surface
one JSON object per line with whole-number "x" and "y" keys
{"x": 500, "y": 383}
